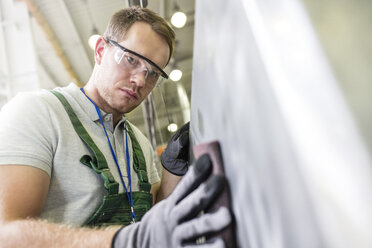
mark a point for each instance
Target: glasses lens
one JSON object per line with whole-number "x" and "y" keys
{"x": 134, "y": 64}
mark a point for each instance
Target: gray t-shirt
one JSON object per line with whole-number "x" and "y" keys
{"x": 35, "y": 130}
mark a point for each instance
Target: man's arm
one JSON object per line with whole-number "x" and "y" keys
{"x": 37, "y": 233}
{"x": 154, "y": 191}
{"x": 168, "y": 182}
{"x": 23, "y": 192}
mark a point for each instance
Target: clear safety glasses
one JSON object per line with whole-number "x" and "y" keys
{"x": 135, "y": 63}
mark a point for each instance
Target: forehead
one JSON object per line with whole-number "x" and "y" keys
{"x": 141, "y": 39}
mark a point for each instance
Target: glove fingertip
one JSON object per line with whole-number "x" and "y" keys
{"x": 215, "y": 184}
{"x": 213, "y": 188}
{"x": 203, "y": 165}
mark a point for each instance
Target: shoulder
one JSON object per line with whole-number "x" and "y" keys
{"x": 41, "y": 102}
{"x": 37, "y": 110}
{"x": 23, "y": 98}
{"x": 27, "y": 103}
{"x": 27, "y": 130}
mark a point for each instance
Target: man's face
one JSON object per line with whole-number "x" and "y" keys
{"x": 119, "y": 89}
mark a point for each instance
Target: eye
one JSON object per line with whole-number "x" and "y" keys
{"x": 153, "y": 74}
{"x": 131, "y": 60}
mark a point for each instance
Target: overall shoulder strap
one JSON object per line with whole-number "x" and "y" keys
{"x": 98, "y": 163}
{"x": 139, "y": 162}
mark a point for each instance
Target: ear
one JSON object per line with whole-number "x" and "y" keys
{"x": 99, "y": 50}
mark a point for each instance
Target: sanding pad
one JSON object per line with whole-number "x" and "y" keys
{"x": 214, "y": 151}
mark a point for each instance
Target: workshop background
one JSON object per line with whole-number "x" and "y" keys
{"x": 284, "y": 85}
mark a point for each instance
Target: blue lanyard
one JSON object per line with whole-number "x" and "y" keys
{"x": 129, "y": 195}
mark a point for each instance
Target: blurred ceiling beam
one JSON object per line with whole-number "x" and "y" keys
{"x": 36, "y": 13}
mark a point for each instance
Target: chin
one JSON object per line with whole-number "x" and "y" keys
{"x": 126, "y": 109}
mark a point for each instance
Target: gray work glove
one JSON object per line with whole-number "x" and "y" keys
{"x": 175, "y": 157}
{"x": 175, "y": 220}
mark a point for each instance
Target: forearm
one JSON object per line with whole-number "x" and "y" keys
{"x": 168, "y": 183}
{"x": 36, "y": 233}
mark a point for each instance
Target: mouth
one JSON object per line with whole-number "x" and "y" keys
{"x": 130, "y": 93}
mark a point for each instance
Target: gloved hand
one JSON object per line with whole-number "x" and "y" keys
{"x": 174, "y": 220}
{"x": 175, "y": 157}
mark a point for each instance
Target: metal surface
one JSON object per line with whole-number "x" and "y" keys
{"x": 299, "y": 173}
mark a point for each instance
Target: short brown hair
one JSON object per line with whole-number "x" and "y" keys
{"x": 122, "y": 20}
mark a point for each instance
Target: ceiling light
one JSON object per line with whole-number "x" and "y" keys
{"x": 93, "y": 40}
{"x": 172, "y": 127}
{"x": 175, "y": 75}
{"x": 178, "y": 19}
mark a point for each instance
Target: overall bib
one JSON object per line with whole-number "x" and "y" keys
{"x": 115, "y": 208}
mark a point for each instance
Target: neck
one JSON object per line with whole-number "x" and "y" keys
{"x": 94, "y": 95}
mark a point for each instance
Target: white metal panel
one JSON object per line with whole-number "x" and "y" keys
{"x": 299, "y": 174}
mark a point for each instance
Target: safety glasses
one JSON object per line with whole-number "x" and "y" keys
{"x": 135, "y": 63}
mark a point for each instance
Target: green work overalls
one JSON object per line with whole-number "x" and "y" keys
{"x": 115, "y": 208}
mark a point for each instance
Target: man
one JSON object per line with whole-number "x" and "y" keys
{"x": 70, "y": 156}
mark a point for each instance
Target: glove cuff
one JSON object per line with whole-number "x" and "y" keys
{"x": 126, "y": 236}
{"x": 115, "y": 236}
{"x": 178, "y": 172}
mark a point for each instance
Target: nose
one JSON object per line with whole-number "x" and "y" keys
{"x": 139, "y": 78}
